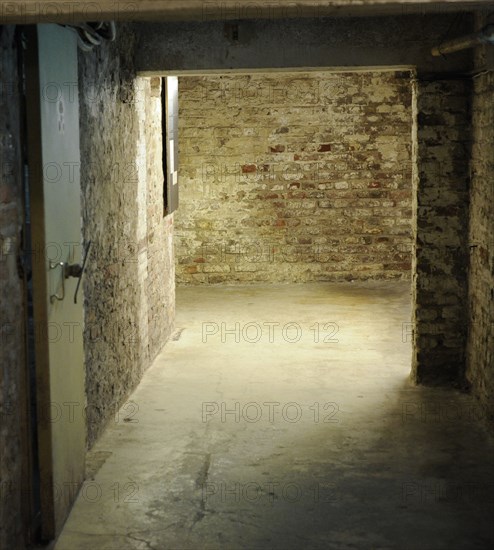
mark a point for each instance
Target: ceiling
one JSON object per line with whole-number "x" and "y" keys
{"x": 33, "y": 11}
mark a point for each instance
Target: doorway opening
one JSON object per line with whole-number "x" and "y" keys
{"x": 296, "y": 178}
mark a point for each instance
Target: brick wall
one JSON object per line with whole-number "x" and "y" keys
{"x": 11, "y": 299}
{"x": 480, "y": 350}
{"x": 160, "y": 285}
{"x": 129, "y": 287}
{"x": 294, "y": 177}
{"x": 440, "y": 286}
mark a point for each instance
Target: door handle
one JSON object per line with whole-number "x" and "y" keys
{"x": 77, "y": 270}
{"x": 70, "y": 270}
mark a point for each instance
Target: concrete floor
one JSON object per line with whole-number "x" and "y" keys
{"x": 352, "y": 457}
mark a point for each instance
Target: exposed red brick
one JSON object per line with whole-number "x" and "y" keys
{"x": 324, "y": 147}
{"x": 277, "y": 148}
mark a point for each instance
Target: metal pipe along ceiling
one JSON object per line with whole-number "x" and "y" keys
{"x": 484, "y": 36}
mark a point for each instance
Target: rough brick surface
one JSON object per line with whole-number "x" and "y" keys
{"x": 440, "y": 312}
{"x": 480, "y": 351}
{"x": 294, "y": 177}
{"x": 129, "y": 296}
{"x": 11, "y": 298}
{"x": 160, "y": 285}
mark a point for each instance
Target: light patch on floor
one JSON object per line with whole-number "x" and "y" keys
{"x": 283, "y": 417}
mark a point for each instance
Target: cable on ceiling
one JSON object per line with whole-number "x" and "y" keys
{"x": 91, "y": 35}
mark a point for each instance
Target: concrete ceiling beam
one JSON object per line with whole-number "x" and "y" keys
{"x": 72, "y": 11}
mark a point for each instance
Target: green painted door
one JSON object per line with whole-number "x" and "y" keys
{"x": 54, "y": 169}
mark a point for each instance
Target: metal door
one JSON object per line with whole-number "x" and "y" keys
{"x": 54, "y": 168}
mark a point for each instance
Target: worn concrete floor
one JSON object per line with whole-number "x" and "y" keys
{"x": 288, "y": 444}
